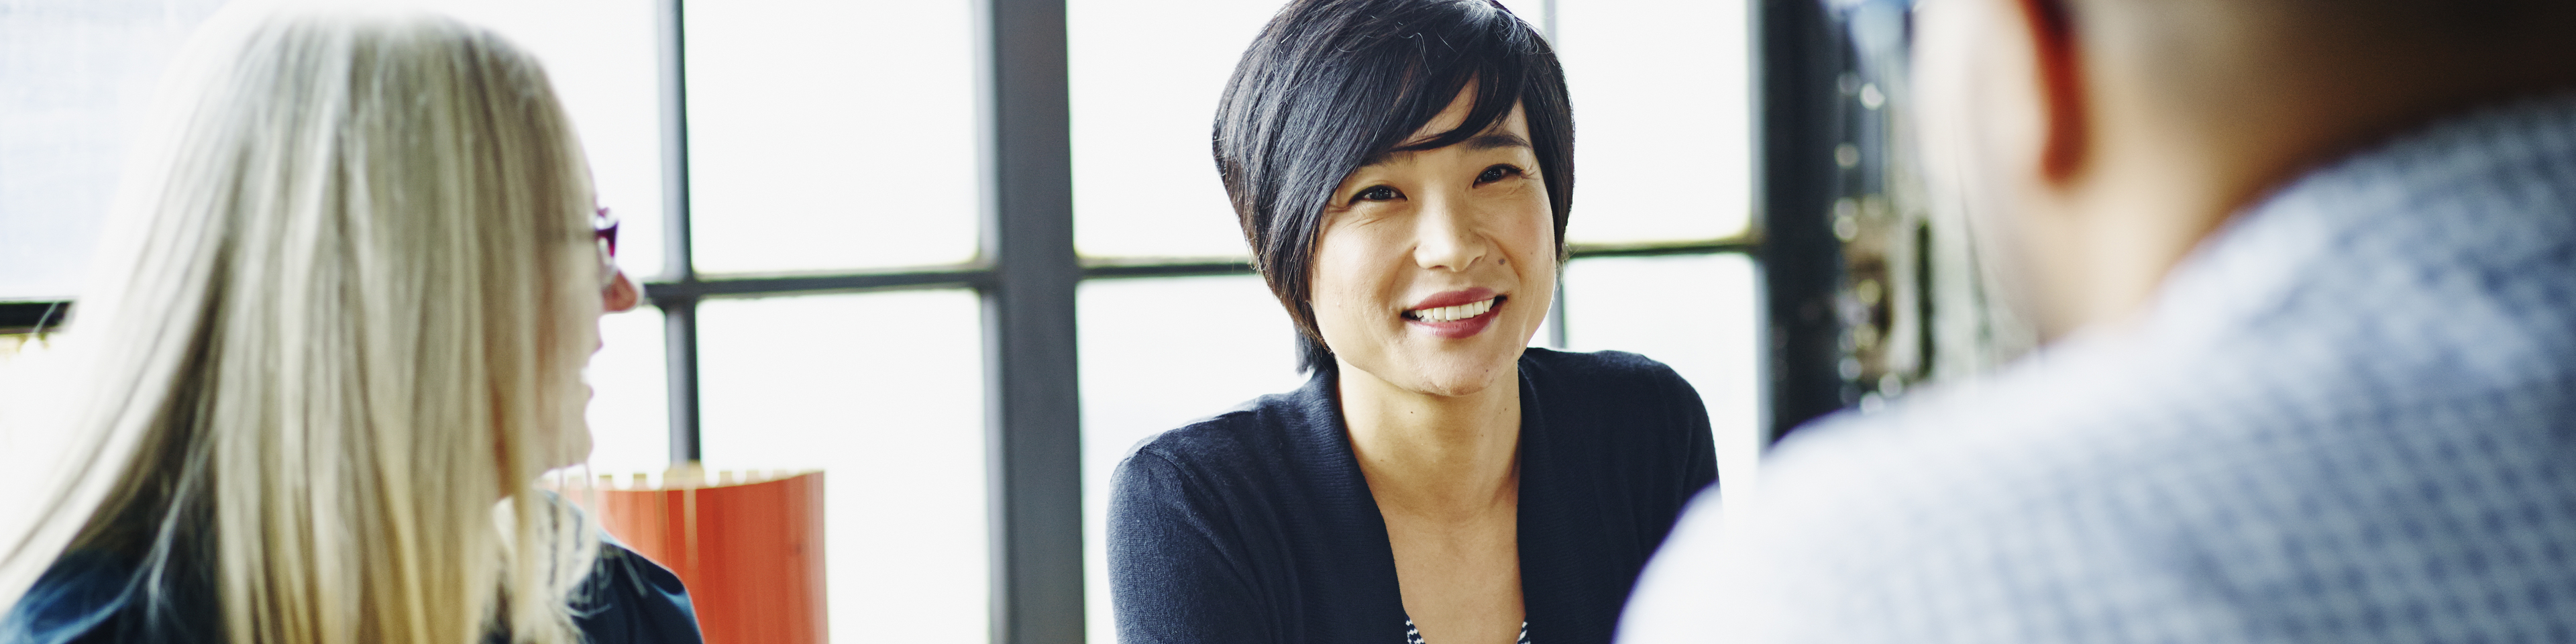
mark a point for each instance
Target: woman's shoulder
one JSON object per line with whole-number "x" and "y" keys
{"x": 1607, "y": 372}
{"x": 1234, "y": 432}
{"x": 1269, "y": 428}
{"x": 630, "y": 599}
{"x": 1621, "y": 404}
{"x": 1246, "y": 461}
{"x": 90, "y": 595}
{"x": 86, "y": 595}
{"x": 80, "y": 593}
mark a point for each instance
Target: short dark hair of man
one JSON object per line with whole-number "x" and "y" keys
{"x": 1332, "y": 84}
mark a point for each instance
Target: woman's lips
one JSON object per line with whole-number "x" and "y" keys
{"x": 1452, "y": 298}
{"x": 1456, "y": 314}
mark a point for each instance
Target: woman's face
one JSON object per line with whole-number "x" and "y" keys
{"x": 617, "y": 295}
{"x": 569, "y": 443}
{"x": 1433, "y": 268}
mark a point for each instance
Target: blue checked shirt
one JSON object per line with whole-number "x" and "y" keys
{"x": 2349, "y": 417}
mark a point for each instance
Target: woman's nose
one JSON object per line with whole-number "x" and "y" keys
{"x": 1445, "y": 237}
{"x": 620, "y": 294}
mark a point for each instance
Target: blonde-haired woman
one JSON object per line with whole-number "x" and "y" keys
{"x": 343, "y": 309}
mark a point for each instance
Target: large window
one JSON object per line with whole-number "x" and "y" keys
{"x": 76, "y": 74}
{"x": 1659, "y": 229}
{"x": 73, "y": 78}
{"x": 791, "y": 161}
{"x": 950, "y": 251}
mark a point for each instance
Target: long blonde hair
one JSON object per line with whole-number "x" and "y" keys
{"x": 341, "y": 310}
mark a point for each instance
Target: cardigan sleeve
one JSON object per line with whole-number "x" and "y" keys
{"x": 1699, "y": 466}
{"x": 1176, "y": 571}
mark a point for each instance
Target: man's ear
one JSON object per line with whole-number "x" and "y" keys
{"x": 2058, "y": 58}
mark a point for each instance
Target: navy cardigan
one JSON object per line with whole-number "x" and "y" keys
{"x": 1257, "y": 526}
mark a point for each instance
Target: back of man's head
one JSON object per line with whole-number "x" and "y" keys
{"x": 2107, "y": 137}
{"x": 2310, "y": 60}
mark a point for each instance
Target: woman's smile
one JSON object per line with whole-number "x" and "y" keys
{"x": 1456, "y": 314}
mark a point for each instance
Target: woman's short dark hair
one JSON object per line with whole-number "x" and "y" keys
{"x": 1332, "y": 83}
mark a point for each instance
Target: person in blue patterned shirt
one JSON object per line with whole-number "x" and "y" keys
{"x": 2307, "y": 274}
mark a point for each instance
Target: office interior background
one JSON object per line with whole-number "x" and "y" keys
{"x": 960, "y": 254}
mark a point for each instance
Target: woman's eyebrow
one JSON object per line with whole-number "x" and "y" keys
{"x": 1477, "y": 143}
{"x": 1494, "y": 140}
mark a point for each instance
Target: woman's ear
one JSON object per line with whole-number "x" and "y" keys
{"x": 2058, "y": 62}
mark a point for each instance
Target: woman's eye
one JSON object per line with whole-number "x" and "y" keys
{"x": 1377, "y": 193}
{"x": 1497, "y": 173}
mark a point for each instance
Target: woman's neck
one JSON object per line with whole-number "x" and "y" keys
{"x": 1432, "y": 456}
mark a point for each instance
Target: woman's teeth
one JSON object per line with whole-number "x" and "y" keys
{"x": 1454, "y": 313}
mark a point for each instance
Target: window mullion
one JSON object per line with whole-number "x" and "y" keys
{"x": 1031, "y": 394}
{"x": 679, "y": 311}
{"x": 1798, "y": 57}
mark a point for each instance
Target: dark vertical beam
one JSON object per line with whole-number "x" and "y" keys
{"x": 1798, "y": 57}
{"x": 680, "y": 351}
{"x": 680, "y": 313}
{"x": 1032, "y": 400}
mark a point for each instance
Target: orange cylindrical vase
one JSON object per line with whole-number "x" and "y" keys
{"x": 750, "y": 552}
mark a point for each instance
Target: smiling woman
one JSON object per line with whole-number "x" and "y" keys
{"x": 1402, "y": 170}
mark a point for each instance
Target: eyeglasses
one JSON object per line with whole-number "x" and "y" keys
{"x": 603, "y": 228}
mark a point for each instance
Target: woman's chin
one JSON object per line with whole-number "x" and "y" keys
{"x": 1459, "y": 378}
{"x": 1460, "y": 389}
{"x": 1440, "y": 367}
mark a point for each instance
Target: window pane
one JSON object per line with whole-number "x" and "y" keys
{"x": 79, "y": 77}
{"x": 82, "y": 76}
{"x": 884, "y": 392}
{"x": 630, "y": 413}
{"x": 1153, "y": 359}
{"x": 1145, "y": 77}
{"x": 829, "y": 134}
{"x": 1661, "y": 103}
{"x": 31, "y": 445}
{"x": 1710, "y": 333}
{"x": 603, "y": 58}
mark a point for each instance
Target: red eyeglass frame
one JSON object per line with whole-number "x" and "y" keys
{"x": 606, "y": 234}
